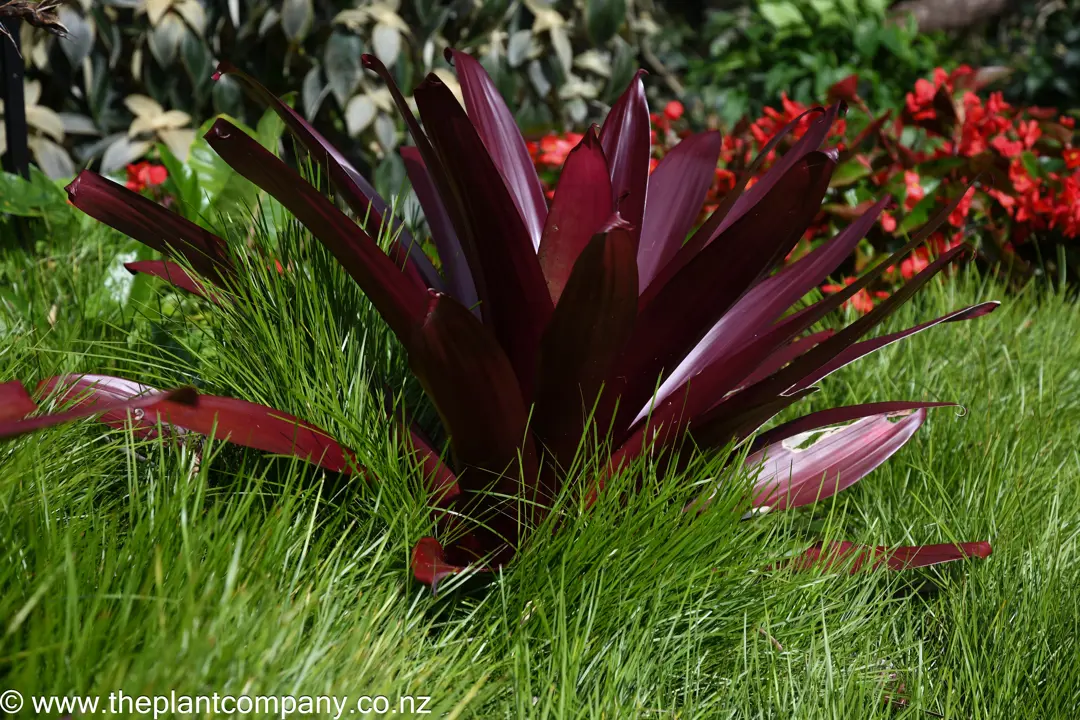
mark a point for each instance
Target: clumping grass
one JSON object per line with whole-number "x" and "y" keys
{"x": 158, "y": 566}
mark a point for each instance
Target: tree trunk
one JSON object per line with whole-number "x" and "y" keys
{"x": 934, "y": 15}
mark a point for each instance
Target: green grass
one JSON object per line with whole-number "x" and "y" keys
{"x": 152, "y": 567}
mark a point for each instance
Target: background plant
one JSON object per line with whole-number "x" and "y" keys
{"x": 758, "y": 50}
{"x": 560, "y": 61}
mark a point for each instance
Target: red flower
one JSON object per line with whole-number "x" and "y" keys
{"x": 956, "y": 217}
{"x": 1072, "y": 158}
{"x": 553, "y": 148}
{"x": 724, "y": 180}
{"x": 1008, "y": 148}
{"x": 673, "y": 110}
{"x": 143, "y": 175}
{"x": 915, "y": 191}
{"x": 1029, "y": 132}
{"x": 888, "y": 222}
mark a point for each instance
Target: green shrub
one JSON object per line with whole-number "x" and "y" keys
{"x": 135, "y": 73}
{"x": 801, "y": 48}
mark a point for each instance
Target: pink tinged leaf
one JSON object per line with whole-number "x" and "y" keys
{"x": 173, "y": 274}
{"x": 458, "y": 282}
{"x": 151, "y": 224}
{"x": 591, "y": 324}
{"x": 858, "y": 350}
{"x": 837, "y": 415}
{"x": 499, "y": 132}
{"x": 677, "y": 189}
{"x": 754, "y": 313}
{"x": 400, "y": 301}
{"x": 15, "y": 402}
{"x": 625, "y": 137}
{"x": 581, "y": 205}
{"x": 678, "y": 317}
{"x": 109, "y": 406}
{"x": 790, "y": 476}
{"x": 514, "y": 298}
{"x": 861, "y": 557}
{"x": 234, "y": 421}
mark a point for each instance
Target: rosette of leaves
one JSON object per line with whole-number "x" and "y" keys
{"x": 543, "y": 326}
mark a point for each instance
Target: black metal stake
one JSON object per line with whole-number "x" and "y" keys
{"x": 17, "y": 159}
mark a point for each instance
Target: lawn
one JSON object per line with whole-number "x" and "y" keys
{"x": 158, "y": 566}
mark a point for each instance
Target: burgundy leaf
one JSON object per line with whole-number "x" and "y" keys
{"x": 791, "y": 476}
{"x": 15, "y": 402}
{"x": 767, "y": 301}
{"x": 514, "y": 297}
{"x": 581, "y": 205}
{"x": 459, "y": 282}
{"x": 499, "y": 132}
{"x": 811, "y": 141}
{"x": 173, "y": 274}
{"x": 144, "y": 220}
{"x": 858, "y": 350}
{"x": 591, "y": 323}
{"x": 625, "y": 137}
{"x": 901, "y": 558}
{"x": 677, "y": 189}
{"x": 469, "y": 379}
{"x": 430, "y": 565}
{"x": 786, "y": 354}
{"x": 355, "y": 190}
{"x": 181, "y": 397}
{"x": 712, "y": 226}
{"x": 400, "y": 301}
{"x": 235, "y": 421}
{"x": 828, "y": 349}
{"x": 673, "y": 323}
{"x": 442, "y": 481}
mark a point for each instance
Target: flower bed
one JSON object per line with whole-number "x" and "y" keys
{"x": 1026, "y": 161}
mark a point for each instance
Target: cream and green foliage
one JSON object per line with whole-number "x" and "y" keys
{"x": 561, "y": 61}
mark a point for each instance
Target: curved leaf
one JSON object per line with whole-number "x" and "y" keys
{"x": 677, "y": 189}
{"x": 514, "y": 297}
{"x": 902, "y": 558}
{"x": 625, "y": 137}
{"x": 172, "y": 274}
{"x": 591, "y": 323}
{"x": 151, "y": 224}
{"x": 459, "y": 282}
{"x": 499, "y": 132}
{"x": 581, "y": 205}
{"x": 235, "y": 421}
{"x": 400, "y": 301}
{"x": 791, "y": 476}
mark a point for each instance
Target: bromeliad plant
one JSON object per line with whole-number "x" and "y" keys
{"x": 542, "y": 322}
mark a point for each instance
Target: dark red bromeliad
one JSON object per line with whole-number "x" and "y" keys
{"x": 544, "y": 320}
